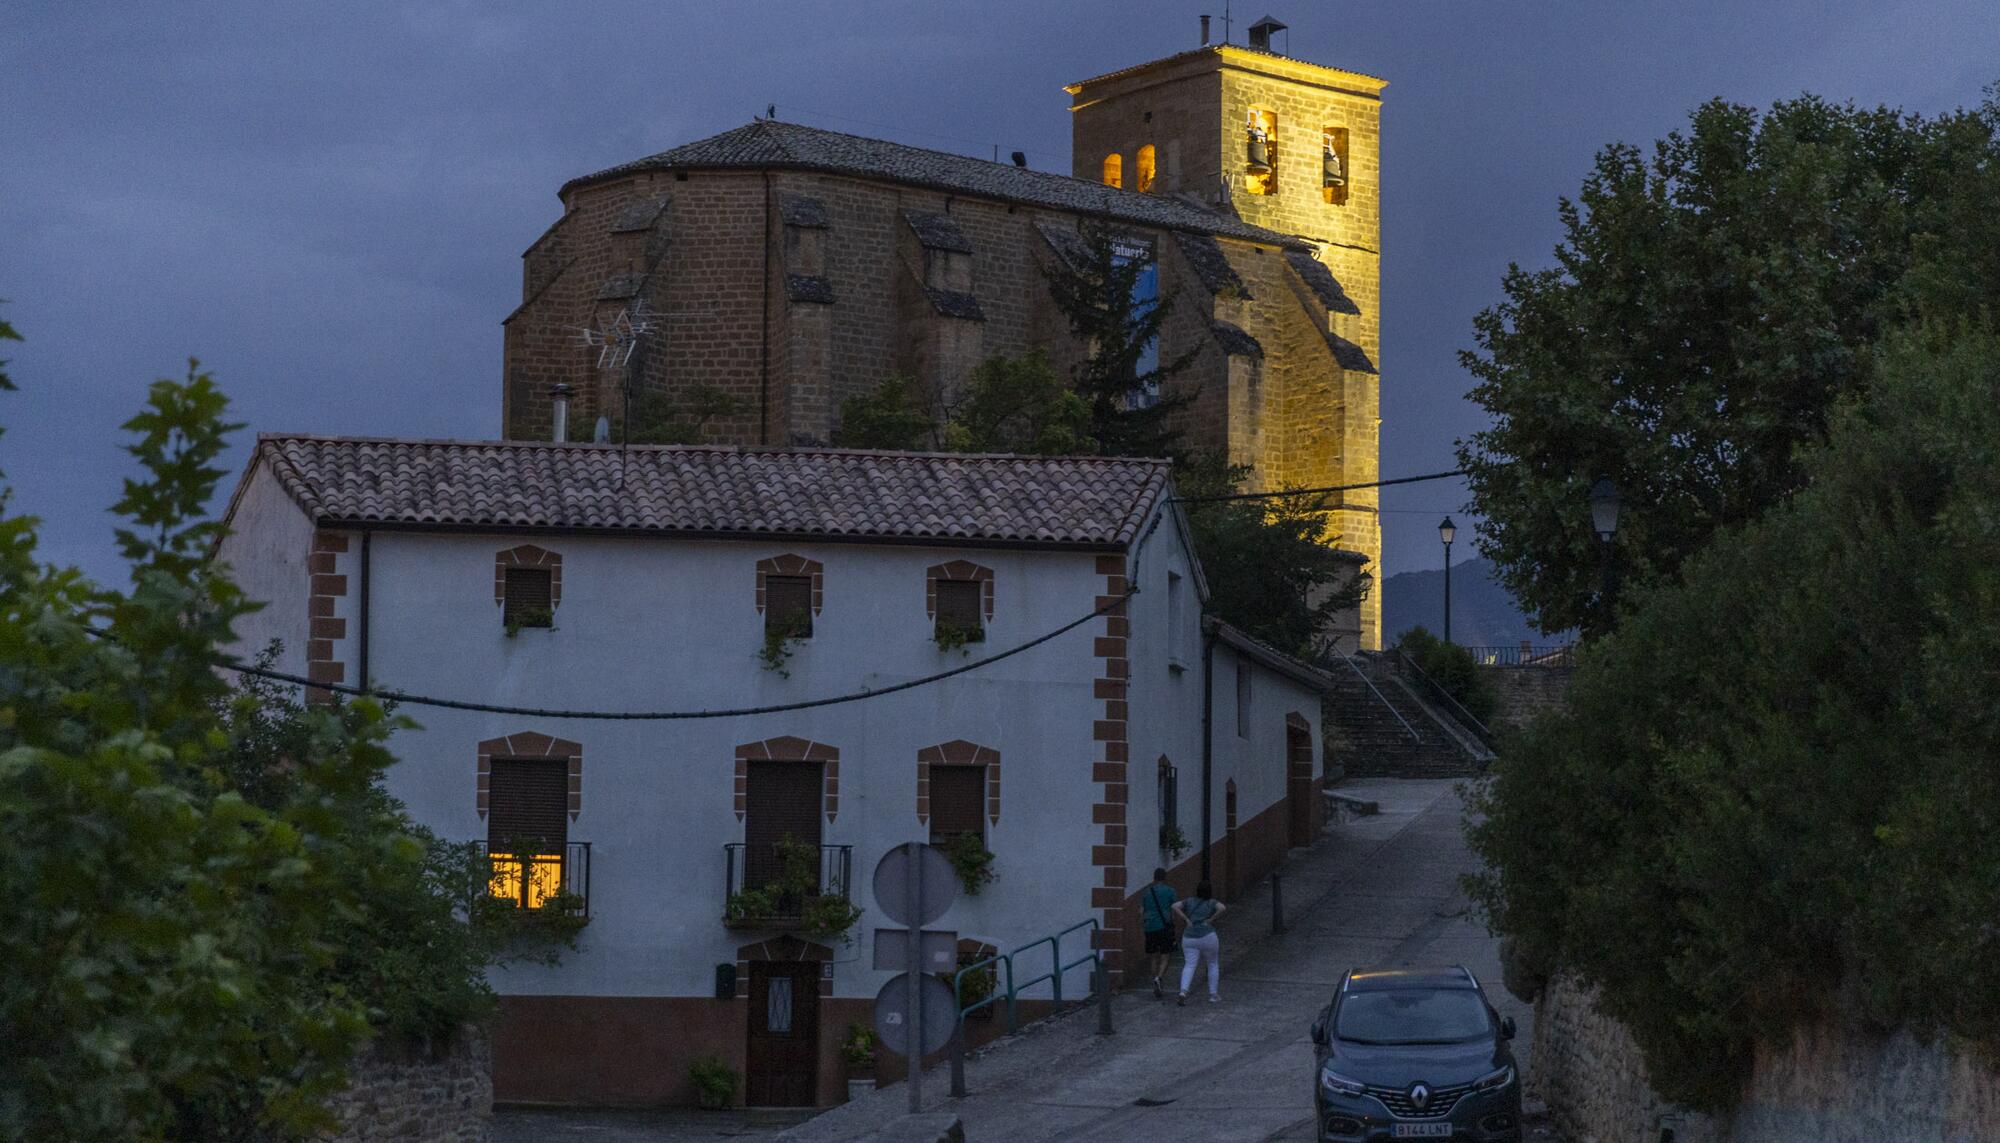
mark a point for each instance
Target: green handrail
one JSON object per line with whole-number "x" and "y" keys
{"x": 1014, "y": 988}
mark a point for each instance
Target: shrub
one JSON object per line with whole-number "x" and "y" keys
{"x": 1452, "y": 668}
{"x": 714, "y": 1082}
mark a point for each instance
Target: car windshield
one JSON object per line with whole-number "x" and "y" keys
{"x": 1413, "y": 1016}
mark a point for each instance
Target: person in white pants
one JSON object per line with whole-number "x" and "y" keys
{"x": 1198, "y": 940}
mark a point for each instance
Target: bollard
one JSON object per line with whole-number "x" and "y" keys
{"x": 1277, "y": 905}
{"x": 958, "y": 1058}
{"x": 1103, "y": 998}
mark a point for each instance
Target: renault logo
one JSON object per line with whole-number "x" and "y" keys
{"x": 1420, "y": 1096}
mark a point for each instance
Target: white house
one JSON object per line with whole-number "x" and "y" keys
{"x": 588, "y": 578}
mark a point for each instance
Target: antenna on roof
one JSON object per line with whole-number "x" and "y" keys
{"x": 770, "y": 111}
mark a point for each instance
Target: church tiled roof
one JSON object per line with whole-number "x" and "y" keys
{"x": 768, "y": 144}
{"x": 700, "y": 490}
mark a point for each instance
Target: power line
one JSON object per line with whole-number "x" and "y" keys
{"x": 1317, "y": 491}
{"x": 663, "y": 716}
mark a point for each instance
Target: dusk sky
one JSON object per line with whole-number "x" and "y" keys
{"x": 327, "y": 203}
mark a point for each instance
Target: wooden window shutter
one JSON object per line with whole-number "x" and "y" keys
{"x": 788, "y": 605}
{"x": 527, "y": 800}
{"x": 530, "y": 599}
{"x": 960, "y": 604}
{"x": 958, "y": 802}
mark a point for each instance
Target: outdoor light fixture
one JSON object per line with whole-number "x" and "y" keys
{"x": 1446, "y": 532}
{"x": 1603, "y": 508}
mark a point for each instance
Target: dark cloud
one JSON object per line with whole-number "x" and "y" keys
{"x": 327, "y": 202}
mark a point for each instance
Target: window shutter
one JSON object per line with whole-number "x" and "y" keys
{"x": 527, "y": 800}
{"x": 960, "y": 605}
{"x": 788, "y": 600}
{"x": 958, "y": 802}
{"x": 530, "y": 602}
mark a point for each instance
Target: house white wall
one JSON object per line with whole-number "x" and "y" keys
{"x": 268, "y": 553}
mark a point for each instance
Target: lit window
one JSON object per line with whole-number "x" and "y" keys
{"x": 1114, "y": 170}
{"x": 527, "y": 828}
{"x": 1144, "y": 172}
{"x": 1334, "y": 171}
{"x": 1260, "y": 158}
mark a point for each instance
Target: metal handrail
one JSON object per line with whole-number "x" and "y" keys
{"x": 1015, "y": 988}
{"x": 1384, "y": 699}
{"x": 1524, "y": 655}
{"x": 1473, "y": 724}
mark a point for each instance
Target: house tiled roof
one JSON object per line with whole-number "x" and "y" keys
{"x": 768, "y": 144}
{"x": 698, "y": 490}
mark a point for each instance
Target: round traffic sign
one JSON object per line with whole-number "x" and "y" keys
{"x": 892, "y": 1013}
{"x": 892, "y": 883}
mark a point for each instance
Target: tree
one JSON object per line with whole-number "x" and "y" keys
{"x": 1019, "y": 405}
{"x": 1770, "y": 800}
{"x": 891, "y": 417}
{"x": 1271, "y": 566}
{"x": 1094, "y": 288}
{"x": 207, "y": 905}
{"x": 1709, "y": 307}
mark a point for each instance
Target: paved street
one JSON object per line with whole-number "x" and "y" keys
{"x": 1376, "y": 889}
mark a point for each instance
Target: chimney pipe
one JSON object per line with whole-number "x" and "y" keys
{"x": 1204, "y": 30}
{"x": 560, "y": 396}
{"x": 1020, "y": 158}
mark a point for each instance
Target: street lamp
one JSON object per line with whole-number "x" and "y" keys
{"x": 1446, "y": 531}
{"x": 1604, "y": 503}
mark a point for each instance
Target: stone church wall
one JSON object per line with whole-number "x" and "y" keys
{"x": 1829, "y": 1085}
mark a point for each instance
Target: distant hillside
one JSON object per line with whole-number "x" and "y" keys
{"x": 1482, "y": 613}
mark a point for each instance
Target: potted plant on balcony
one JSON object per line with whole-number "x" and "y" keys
{"x": 781, "y": 638}
{"x": 1173, "y": 842}
{"x": 974, "y": 862}
{"x": 714, "y": 1082}
{"x": 857, "y": 1051}
{"x": 793, "y": 900}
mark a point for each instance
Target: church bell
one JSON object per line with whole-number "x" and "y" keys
{"x": 1260, "y": 146}
{"x": 1333, "y": 174}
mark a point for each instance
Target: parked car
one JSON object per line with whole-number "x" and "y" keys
{"x": 1414, "y": 1053}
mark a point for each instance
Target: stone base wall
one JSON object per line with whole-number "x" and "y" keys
{"x": 445, "y": 1098}
{"x": 1828, "y": 1085}
{"x": 1523, "y": 693}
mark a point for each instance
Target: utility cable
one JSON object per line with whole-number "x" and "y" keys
{"x": 1316, "y": 491}
{"x": 665, "y": 716}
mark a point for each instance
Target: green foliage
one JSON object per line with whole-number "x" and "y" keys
{"x": 892, "y": 417}
{"x": 1172, "y": 841}
{"x": 1770, "y": 798}
{"x": 1709, "y": 307}
{"x": 781, "y": 638}
{"x": 206, "y": 904}
{"x": 950, "y": 636}
{"x": 715, "y": 1082}
{"x": 973, "y": 861}
{"x": 976, "y": 985}
{"x": 1019, "y": 405}
{"x": 1271, "y": 565}
{"x": 857, "y": 1049}
{"x": 526, "y": 617}
{"x": 1452, "y": 668}
{"x": 794, "y": 898}
{"x": 1094, "y": 295}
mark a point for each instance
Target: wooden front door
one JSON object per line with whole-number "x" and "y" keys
{"x": 782, "y": 800}
{"x": 783, "y": 1055}
{"x": 1299, "y": 784}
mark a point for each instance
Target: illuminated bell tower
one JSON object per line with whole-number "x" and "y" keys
{"x": 1293, "y": 147}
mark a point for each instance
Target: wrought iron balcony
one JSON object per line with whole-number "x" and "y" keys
{"x": 771, "y": 886}
{"x": 536, "y": 878}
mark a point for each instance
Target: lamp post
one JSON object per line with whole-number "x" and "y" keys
{"x": 1604, "y": 501}
{"x": 1446, "y": 531}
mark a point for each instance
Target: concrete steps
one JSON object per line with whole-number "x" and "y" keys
{"x": 1369, "y": 739}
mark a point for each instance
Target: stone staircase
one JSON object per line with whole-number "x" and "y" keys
{"x": 1366, "y": 740}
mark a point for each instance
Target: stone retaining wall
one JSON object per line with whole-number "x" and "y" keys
{"x": 1829, "y": 1085}
{"x": 1522, "y": 693}
{"x": 418, "y": 1096}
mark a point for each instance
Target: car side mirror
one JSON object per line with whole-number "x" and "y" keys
{"x": 1319, "y": 1028}
{"x": 1506, "y": 1027}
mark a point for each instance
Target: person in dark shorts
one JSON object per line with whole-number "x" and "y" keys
{"x": 1156, "y": 905}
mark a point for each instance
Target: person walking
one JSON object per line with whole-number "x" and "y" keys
{"x": 1198, "y": 940}
{"x": 1156, "y": 904}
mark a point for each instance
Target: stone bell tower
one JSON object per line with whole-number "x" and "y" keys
{"x": 1293, "y": 147}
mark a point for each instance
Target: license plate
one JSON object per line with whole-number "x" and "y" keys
{"x": 1422, "y": 1131}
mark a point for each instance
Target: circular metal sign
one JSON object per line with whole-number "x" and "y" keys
{"x": 892, "y": 883}
{"x": 892, "y": 1013}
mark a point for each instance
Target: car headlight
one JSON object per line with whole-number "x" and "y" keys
{"x": 1337, "y": 1084}
{"x": 1497, "y": 1079}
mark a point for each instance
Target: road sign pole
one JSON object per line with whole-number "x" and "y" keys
{"x": 915, "y": 973}
{"x": 958, "y": 1054}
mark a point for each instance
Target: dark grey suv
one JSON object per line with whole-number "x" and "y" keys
{"x": 1414, "y": 1053}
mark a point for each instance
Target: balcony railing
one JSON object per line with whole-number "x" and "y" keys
{"x": 768, "y": 886}
{"x": 535, "y": 877}
{"x": 1522, "y": 655}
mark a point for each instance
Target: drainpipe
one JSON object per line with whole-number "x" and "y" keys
{"x": 1207, "y": 745}
{"x": 361, "y": 635}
